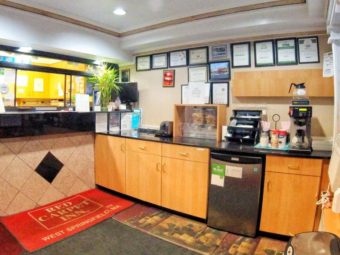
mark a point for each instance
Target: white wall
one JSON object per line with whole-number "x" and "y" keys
{"x": 19, "y": 28}
{"x": 157, "y": 102}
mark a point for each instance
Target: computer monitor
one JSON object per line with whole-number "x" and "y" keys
{"x": 128, "y": 92}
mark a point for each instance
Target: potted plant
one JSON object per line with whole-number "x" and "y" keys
{"x": 105, "y": 80}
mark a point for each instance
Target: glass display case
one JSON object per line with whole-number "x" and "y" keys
{"x": 199, "y": 121}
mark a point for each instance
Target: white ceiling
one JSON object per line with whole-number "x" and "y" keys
{"x": 140, "y": 13}
{"x": 310, "y": 16}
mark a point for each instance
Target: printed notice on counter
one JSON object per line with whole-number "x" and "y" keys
{"x": 233, "y": 171}
{"x": 217, "y": 174}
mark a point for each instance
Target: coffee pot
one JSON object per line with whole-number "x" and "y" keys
{"x": 299, "y": 94}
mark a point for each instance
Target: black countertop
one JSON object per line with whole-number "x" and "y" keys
{"x": 219, "y": 146}
{"x": 18, "y": 124}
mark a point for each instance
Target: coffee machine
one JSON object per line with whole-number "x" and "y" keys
{"x": 300, "y": 128}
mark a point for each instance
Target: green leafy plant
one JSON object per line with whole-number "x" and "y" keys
{"x": 105, "y": 80}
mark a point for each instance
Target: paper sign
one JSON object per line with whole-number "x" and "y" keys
{"x": 82, "y": 103}
{"x": 38, "y": 85}
{"x": 328, "y": 70}
{"x": 2, "y": 106}
{"x": 217, "y": 174}
{"x": 233, "y": 171}
{"x": 22, "y": 81}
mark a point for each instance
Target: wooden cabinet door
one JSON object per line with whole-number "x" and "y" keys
{"x": 289, "y": 203}
{"x": 110, "y": 162}
{"x": 143, "y": 176}
{"x": 185, "y": 186}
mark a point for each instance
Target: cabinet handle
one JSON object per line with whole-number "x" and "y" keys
{"x": 158, "y": 167}
{"x": 163, "y": 167}
{"x": 122, "y": 147}
{"x": 268, "y": 186}
{"x": 142, "y": 148}
{"x": 293, "y": 167}
{"x": 184, "y": 154}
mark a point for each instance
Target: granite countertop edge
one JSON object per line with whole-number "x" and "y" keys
{"x": 213, "y": 145}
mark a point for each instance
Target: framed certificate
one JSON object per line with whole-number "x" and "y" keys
{"x": 143, "y": 63}
{"x": 286, "y": 51}
{"x": 220, "y": 93}
{"x": 308, "y": 50}
{"x": 240, "y": 54}
{"x": 219, "y": 71}
{"x": 198, "y": 74}
{"x": 198, "y": 56}
{"x": 264, "y": 53}
{"x": 185, "y": 94}
{"x": 159, "y": 61}
{"x": 178, "y": 58}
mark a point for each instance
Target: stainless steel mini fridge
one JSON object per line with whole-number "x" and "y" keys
{"x": 234, "y": 193}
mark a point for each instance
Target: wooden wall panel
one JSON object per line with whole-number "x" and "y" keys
{"x": 275, "y": 83}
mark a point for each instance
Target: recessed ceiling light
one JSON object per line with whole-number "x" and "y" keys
{"x": 119, "y": 11}
{"x": 25, "y": 49}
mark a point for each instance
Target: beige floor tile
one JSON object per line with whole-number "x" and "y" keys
{"x": 15, "y": 144}
{"x": 2, "y": 213}
{"x": 19, "y": 204}
{"x": 64, "y": 180}
{"x": 78, "y": 187}
{"x": 63, "y": 149}
{"x": 34, "y": 187}
{"x": 51, "y": 195}
{"x": 33, "y": 153}
{"x": 17, "y": 173}
{"x": 6, "y": 157}
{"x": 7, "y": 194}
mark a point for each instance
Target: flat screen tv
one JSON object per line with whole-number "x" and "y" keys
{"x": 128, "y": 92}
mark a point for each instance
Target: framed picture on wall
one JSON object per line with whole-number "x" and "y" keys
{"x": 264, "y": 53}
{"x": 219, "y": 71}
{"x": 198, "y": 74}
{"x": 286, "y": 51}
{"x": 159, "y": 61}
{"x": 240, "y": 54}
{"x": 220, "y": 93}
{"x": 308, "y": 48}
{"x": 143, "y": 63}
{"x": 219, "y": 52}
{"x": 198, "y": 56}
{"x": 185, "y": 94}
{"x": 178, "y": 58}
{"x": 125, "y": 75}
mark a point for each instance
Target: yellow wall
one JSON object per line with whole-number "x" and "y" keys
{"x": 50, "y": 87}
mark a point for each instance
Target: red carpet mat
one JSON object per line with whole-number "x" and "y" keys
{"x": 45, "y": 225}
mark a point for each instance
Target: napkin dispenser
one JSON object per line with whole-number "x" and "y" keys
{"x": 165, "y": 129}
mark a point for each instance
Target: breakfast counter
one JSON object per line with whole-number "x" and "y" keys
{"x": 218, "y": 146}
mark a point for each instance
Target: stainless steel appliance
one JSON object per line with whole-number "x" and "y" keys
{"x": 316, "y": 243}
{"x": 244, "y": 126}
{"x": 300, "y": 128}
{"x": 234, "y": 193}
{"x": 165, "y": 129}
